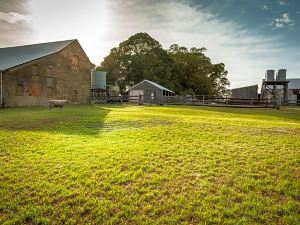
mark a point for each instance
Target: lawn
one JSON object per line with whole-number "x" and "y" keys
{"x": 109, "y": 164}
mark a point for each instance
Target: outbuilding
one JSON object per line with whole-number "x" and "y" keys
{"x": 294, "y": 91}
{"x": 150, "y": 91}
{"x": 248, "y": 92}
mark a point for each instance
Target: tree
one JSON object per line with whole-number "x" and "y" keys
{"x": 219, "y": 79}
{"x": 195, "y": 74}
{"x": 140, "y": 57}
{"x": 186, "y": 71}
{"x": 190, "y": 70}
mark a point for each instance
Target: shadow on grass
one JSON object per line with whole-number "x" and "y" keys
{"x": 74, "y": 120}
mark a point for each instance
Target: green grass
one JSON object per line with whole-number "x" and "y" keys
{"x": 110, "y": 164}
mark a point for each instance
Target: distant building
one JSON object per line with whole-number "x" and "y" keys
{"x": 245, "y": 92}
{"x": 287, "y": 89}
{"x": 294, "y": 90}
{"x": 34, "y": 74}
{"x": 150, "y": 90}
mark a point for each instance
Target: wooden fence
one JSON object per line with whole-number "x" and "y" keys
{"x": 190, "y": 100}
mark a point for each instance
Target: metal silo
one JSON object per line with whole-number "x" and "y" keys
{"x": 270, "y": 74}
{"x": 281, "y": 75}
{"x": 98, "y": 80}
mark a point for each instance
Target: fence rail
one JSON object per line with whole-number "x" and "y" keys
{"x": 189, "y": 100}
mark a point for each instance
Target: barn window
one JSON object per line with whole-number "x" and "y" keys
{"x": 74, "y": 94}
{"x": 74, "y": 60}
{"x": 35, "y": 69}
{"x": 49, "y": 71}
{"x": 49, "y": 92}
{"x": 50, "y": 82}
{"x": 36, "y": 77}
{"x": 19, "y": 90}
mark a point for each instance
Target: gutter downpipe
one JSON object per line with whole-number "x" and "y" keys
{"x": 1, "y": 91}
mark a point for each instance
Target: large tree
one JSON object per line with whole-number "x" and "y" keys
{"x": 140, "y": 57}
{"x": 186, "y": 71}
{"x": 195, "y": 74}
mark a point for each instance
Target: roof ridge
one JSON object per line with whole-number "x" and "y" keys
{"x": 153, "y": 83}
{"x": 18, "y": 55}
{"x": 27, "y": 45}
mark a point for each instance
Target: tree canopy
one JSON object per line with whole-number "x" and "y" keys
{"x": 186, "y": 71}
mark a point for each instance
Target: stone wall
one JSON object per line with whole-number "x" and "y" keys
{"x": 63, "y": 75}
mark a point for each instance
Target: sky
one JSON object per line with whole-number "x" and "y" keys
{"x": 249, "y": 36}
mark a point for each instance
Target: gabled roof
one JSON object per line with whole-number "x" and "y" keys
{"x": 294, "y": 83}
{"x": 154, "y": 84}
{"x": 15, "y": 56}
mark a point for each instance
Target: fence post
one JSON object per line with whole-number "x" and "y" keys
{"x": 278, "y": 99}
{"x": 140, "y": 99}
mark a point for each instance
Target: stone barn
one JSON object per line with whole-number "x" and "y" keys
{"x": 150, "y": 91}
{"x": 34, "y": 74}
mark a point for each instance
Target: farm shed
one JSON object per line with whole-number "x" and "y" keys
{"x": 245, "y": 92}
{"x": 150, "y": 91}
{"x": 34, "y": 74}
{"x": 294, "y": 90}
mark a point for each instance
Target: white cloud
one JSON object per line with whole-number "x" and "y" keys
{"x": 245, "y": 53}
{"x": 265, "y": 7}
{"x": 282, "y": 3}
{"x": 102, "y": 25}
{"x": 13, "y": 17}
{"x": 284, "y": 21}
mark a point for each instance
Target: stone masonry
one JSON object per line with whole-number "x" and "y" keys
{"x": 64, "y": 75}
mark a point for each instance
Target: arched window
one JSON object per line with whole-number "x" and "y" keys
{"x": 49, "y": 71}
{"x": 74, "y": 94}
{"x": 35, "y": 73}
{"x": 35, "y": 69}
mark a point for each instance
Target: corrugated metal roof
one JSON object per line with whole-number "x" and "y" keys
{"x": 14, "y": 56}
{"x": 154, "y": 84}
{"x": 294, "y": 83}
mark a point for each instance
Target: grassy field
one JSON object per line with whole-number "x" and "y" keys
{"x": 110, "y": 164}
